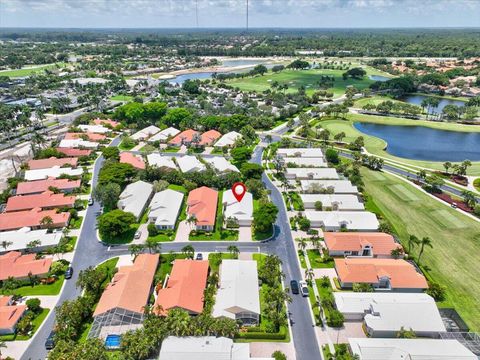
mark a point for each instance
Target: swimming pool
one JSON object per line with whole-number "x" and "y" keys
{"x": 112, "y": 341}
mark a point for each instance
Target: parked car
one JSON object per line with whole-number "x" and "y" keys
{"x": 50, "y": 342}
{"x": 199, "y": 256}
{"x": 137, "y": 234}
{"x": 69, "y": 273}
{"x": 303, "y": 288}
{"x": 90, "y": 201}
{"x": 454, "y": 205}
{"x": 294, "y": 287}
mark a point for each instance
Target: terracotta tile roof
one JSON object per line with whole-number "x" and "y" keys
{"x": 39, "y": 186}
{"x": 209, "y": 137}
{"x": 44, "y": 200}
{"x": 130, "y": 287}
{"x": 184, "y": 288}
{"x": 31, "y": 218}
{"x": 74, "y": 152}
{"x": 14, "y": 264}
{"x": 110, "y": 122}
{"x": 51, "y": 162}
{"x": 202, "y": 203}
{"x": 10, "y": 314}
{"x": 132, "y": 159}
{"x": 91, "y": 136}
{"x": 184, "y": 136}
{"x": 401, "y": 273}
{"x": 382, "y": 244}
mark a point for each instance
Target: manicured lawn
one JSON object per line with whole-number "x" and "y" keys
{"x": 122, "y": 98}
{"x": 301, "y": 257}
{"x": 453, "y": 260}
{"x": 376, "y": 145}
{"x": 374, "y": 100}
{"x": 316, "y": 260}
{"x": 122, "y": 146}
{"x": 215, "y": 259}
{"x": 37, "y": 321}
{"x": 76, "y": 223}
{"x": 171, "y": 150}
{"x": 148, "y": 148}
{"x": 41, "y": 289}
{"x": 26, "y": 71}
{"x": 476, "y": 183}
{"x": 166, "y": 264}
{"x": 296, "y": 78}
{"x": 296, "y": 201}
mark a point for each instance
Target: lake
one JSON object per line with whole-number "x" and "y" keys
{"x": 378, "y": 78}
{"x": 180, "y": 79}
{"x": 417, "y": 100}
{"x": 242, "y": 62}
{"x": 423, "y": 143}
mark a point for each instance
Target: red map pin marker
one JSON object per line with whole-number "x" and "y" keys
{"x": 239, "y": 189}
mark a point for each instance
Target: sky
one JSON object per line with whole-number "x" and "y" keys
{"x": 232, "y": 13}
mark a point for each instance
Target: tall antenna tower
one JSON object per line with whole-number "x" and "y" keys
{"x": 247, "y": 15}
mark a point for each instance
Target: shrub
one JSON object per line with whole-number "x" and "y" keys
{"x": 476, "y": 211}
{"x": 436, "y": 291}
{"x": 332, "y": 156}
{"x": 303, "y": 223}
{"x": 34, "y": 305}
{"x": 152, "y": 230}
{"x": 278, "y": 355}
{"x": 335, "y": 318}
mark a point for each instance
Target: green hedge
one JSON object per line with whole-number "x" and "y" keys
{"x": 263, "y": 335}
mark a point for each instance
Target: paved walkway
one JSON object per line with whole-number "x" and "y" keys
{"x": 245, "y": 233}
{"x": 143, "y": 228}
{"x": 208, "y": 150}
{"x": 183, "y": 231}
{"x": 140, "y": 145}
{"x": 266, "y": 349}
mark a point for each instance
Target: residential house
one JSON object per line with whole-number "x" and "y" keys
{"x": 53, "y": 172}
{"x": 74, "y": 152}
{"x": 52, "y": 162}
{"x": 300, "y": 152}
{"x": 340, "y": 220}
{"x": 414, "y": 349}
{"x": 164, "y": 135}
{"x": 365, "y": 244}
{"x": 109, "y": 122}
{"x": 202, "y": 205}
{"x": 334, "y": 202}
{"x": 94, "y": 129}
{"x": 310, "y": 173}
{"x": 10, "y": 315}
{"x": 20, "y": 267}
{"x": 184, "y": 288}
{"x": 190, "y": 163}
{"x": 88, "y": 136}
{"x": 382, "y": 274}
{"x": 121, "y": 306}
{"x": 45, "y": 201}
{"x": 40, "y": 186}
{"x": 77, "y": 143}
{"x": 292, "y": 162}
{"x": 184, "y": 138}
{"x": 161, "y": 161}
{"x": 145, "y": 133}
{"x": 132, "y": 159}
{"x": 204, "y": 348}
{"x": 228, "y": 139}
{"x": 135, "y": 197}
{"x": 385, "y": 314}
{"x": 238, "y": 293}
{"x": 240, "y": 210}
{"x": 208, "y": 138}
{"x": 220, "y": 164}
{"x": 328, "y": 186}
{"x": 165, "y": 208}
{"x": 33, "y": 219}
{"x": 20, "y": 239}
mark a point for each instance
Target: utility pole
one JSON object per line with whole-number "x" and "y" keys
{"x": 247, "y": 15}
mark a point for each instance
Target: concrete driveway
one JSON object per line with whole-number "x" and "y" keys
{"x": 183, "y": 231}
{"x": 245, "y": 233}
{"x": 143, "y": 228}
{"x": 266, "y": 349}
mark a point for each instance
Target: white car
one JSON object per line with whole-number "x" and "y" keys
{"x": 303, "y": 288}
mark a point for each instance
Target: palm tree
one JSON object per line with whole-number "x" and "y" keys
{"x": 412, "y": 242}
{"x": 5, "y": 244}
{"x": 192, "y": 220}
{"x": 178, "y": 321}
{"x": 302, "y": 244}
{"x": 233, "y": 250}
{"x": 469, "y": 198}
{"x": 315, "y": 242}
{"x": 426, "y": 241}
{"x": 447, "y": 165}
{"x": 309, "y": 275}
{"x": 135, "y": 249}
{"x": 188, "y": 251}
{"x": 153, "y": 246}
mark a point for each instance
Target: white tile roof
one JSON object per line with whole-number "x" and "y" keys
{"x": 238, "y": 291}
{"x": 158, "y": 160}
{"x": 97, "y": 129}
{"x": 20, "y": 238}
{"x": 301, "y": 152}
{"x": 389, "y": 312}
{"x": 228, "y": 139}
{"x": 53, "y": 172}
{"x": 135, "y": 196}
{"x": 77, "y": 143}
{"x": 145, "y": 133}
{"x": 310, "y": 161}
{"x": 339, "y": 186}
{"x": 165, "y": 206}
{"x": 342, "y": 201}
{"x": 242, "y": 210}
{"x": 221, "y": 164}
{"x": 312, "y": 173}
{"x": 352, "y": 220}
{"x": 164, "y": 134}
{"x": 411, "y": 349}
{"x": 189, "y": 163}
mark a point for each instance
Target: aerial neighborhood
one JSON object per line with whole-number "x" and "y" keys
{"x": 239, "y": 195}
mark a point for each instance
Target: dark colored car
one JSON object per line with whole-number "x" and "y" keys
{"x": 199, "y": 256}
{"x": 90, "y": 202}
{"x": 50, "y": 342}
{"x": 69, "y": 273}
{"x": 294, "y": 287}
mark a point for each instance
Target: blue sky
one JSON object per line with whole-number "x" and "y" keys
{"x": 231, "y": 13}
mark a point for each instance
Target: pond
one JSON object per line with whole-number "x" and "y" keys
{"x": 423, "y": 143}
{"x": 242, "y": 62}
{"x": 180, "y": 79}
{"x": 378, "y": 78}
{"x": 417, "y": 100}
